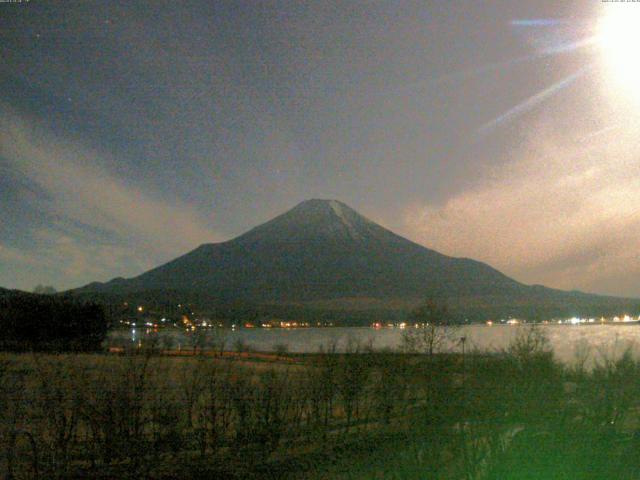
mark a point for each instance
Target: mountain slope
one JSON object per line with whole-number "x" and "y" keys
{"x": 325, "y": 255}
{"x": 321, "y": 249}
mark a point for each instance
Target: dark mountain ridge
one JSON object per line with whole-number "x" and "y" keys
{"x": 324, "y": 251}
{"x": 320, "y": 249}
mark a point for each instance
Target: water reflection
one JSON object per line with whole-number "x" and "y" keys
{"x": 568, "y": 341}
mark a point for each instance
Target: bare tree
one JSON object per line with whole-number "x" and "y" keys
{"x": 192, "y": 383}
{"x": 431, "y": 325}
{"x": 57, "y": 406}
{"x": 217, "y": 340}
{"x": 352, "y": 377}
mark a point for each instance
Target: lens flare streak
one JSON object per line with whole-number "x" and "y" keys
{"x": 538, "y": 22}
{"x": 530, "y": 102}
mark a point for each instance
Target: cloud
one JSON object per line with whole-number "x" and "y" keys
{"x": 66, "y": 262}
{"x": 10, "y": 255}
{"x": 139, "y": 228}
{"x": 563, "y": 213}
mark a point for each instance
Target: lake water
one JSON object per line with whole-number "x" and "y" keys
{"x": 566, "y": 340}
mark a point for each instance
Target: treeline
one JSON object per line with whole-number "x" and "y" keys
{"x": 227, "y": 311}
{"x": 541, "y": 304}
{"x": 514, "y": 414}
{"x": 32, "y": 322}
{"x": 145, "y": 416}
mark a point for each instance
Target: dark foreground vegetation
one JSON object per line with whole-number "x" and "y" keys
{"x": 34, "y": 322}
{"x": 513, "y": 414}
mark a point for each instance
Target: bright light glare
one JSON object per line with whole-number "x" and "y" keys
{"x": 619, "y": 38}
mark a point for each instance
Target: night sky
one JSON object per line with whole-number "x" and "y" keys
{"x": 131, "y": 132}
